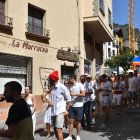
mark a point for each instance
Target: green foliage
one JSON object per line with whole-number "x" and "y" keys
{"x": 124, "y": 60}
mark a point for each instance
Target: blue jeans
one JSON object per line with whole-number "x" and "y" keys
{"x": 87, "y": 114}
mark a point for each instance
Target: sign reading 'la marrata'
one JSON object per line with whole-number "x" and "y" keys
{"x": 29, "y": 46}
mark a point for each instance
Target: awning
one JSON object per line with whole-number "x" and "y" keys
{"x": 136, "y": 61}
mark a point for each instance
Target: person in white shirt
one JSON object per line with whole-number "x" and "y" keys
{"x": 118, "y": 88}
{"x": 105, "y": 89}
{"x": 59, "y": 95}
{"x": 89, "y": 93}
{"x": 132, "y": 90}
{"x": 76, "y": 110}
{"x": 137, "y": 91}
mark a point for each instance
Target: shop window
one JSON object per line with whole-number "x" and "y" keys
{"x": 66, "y": 71}
{"x": 87, "y": 67}
{"x": 15, "y": 68}
{"x": 102, "y": 7}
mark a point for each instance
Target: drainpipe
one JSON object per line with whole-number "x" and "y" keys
{"x": 79, "y": 49}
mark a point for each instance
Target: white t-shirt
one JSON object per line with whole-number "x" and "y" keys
{"x": 77, "y": 101}
{"x": 89, "y": 88}
{"x": 119, "y": 86}
{"x": 133, "y": 83}
{"x": 106, "y": 86}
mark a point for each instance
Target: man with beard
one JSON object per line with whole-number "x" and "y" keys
{"x": 19, "y": 119}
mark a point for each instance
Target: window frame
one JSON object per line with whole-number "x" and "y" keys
{"x": 110, "y": 18}
{"x": 32, "y": 10}
{"x": 102, "y": 7}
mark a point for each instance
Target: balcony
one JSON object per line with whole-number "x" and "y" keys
{"x": 6, "y": 24}
{"x": 95, "y": 19}
{"x": 37, "y": 33}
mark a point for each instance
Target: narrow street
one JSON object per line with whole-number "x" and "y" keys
{"x": 127, "y": 127}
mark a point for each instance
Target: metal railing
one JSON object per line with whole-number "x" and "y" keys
{"x": 7, "y": 21}
{"x": 37, "y": 30}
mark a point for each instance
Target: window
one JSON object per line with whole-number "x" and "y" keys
{"x": 109, "y": 52}
{"x": 98, "y": 46}
{"x": 35, "y": 20}
{"x": 102, "y": 7}
{"x": 109, "y": 43}
{"x": 110, "y": 19}
{"x": 87, "y": 37}
{"x": 113, "y": 52}
{"x": 2, "y": 11}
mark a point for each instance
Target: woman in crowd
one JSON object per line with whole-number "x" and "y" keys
{"x": 105, "y": 90}
{"x": 66, "y": 119}
{"x": 47, "y": 115}
{"x": 118, "y": 87}
{"x": 31, "y": 100}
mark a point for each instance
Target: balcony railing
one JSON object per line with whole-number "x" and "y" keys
{"x": 6, "y": 21}
{"x": 37, "y": 30}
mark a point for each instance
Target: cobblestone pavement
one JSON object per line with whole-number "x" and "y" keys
{"x": 126, "y": 127}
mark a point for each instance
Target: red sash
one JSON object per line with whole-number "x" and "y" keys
{"x": 117, "y": 92}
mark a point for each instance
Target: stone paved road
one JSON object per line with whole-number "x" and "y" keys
{"x": 127, "y": 127}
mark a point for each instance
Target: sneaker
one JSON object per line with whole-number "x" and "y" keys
{"x": 93, "y": 121}
{"x": 69, "y": 138}
{"x": 78, "y": 137}
{"x": 47, "y": 136}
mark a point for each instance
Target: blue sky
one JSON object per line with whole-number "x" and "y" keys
{"x": 120, "y": 12}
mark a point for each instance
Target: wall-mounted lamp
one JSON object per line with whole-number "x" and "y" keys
{"x": 68, "y": 48}
{"x": 76, "y": 51}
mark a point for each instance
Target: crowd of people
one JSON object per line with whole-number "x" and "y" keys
{"x": 88, "y": 99}
{"x": 72, "y": 104}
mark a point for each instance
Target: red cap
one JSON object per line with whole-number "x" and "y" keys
{"x": 54, "y": 76}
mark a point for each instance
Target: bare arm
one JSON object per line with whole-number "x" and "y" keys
{"x": 68, "y": 105}
{"x": 43, "y": 97}
{"x": 34, "y": 103}
{"x": 88, "y": 93}
{"x": 82, "y": 93}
